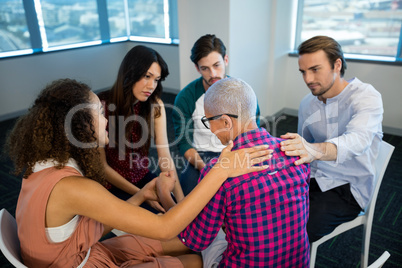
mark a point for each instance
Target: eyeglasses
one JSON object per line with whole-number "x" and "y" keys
{"x": 206, "y": 120}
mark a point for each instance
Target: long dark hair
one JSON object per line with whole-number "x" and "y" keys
{"x": 134, "y": 66}
{"x": 42, "y": 133}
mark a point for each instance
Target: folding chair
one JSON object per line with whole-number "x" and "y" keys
{"x": 365, "y": 217}
{"x": 9, "y": 243}
{"x": 380, "y": 261}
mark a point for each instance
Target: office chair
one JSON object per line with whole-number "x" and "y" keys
{"x": 365, "y": 217}
{"x": 9, "y": 243}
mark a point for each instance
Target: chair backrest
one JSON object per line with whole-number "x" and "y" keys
{"x": 9, "y": 243}
{"x": 380, "y": 261}
{"x": 380, "y": 166}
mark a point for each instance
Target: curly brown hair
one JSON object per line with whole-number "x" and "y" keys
{"x": 41, "y": 134}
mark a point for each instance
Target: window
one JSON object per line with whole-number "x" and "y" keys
{"x": 147, "y": 18}
{"x": 28, "y": 26}
{"x": 117, "y": 18}
{"x": 363, "y": 28}
{"x": 14, "y": 34}
{"x": 69, "y": 22}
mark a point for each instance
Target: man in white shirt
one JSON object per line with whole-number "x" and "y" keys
{"x": 339, "y": 133}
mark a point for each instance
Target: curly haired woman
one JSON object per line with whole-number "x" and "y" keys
{"x": 63, "y": 209}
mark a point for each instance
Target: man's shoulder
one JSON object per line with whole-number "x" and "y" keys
{"x": 229, "y": 183}
{"x": 191, "y": 92}
{"x": 361, "y": 96}
{"x": 280, "y": 161}
{"x": 193, "y": 86}
{"x": 208, "y": 166}
{"x": 364, "y": 88}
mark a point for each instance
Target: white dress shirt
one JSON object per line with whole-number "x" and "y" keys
{"x": 352, "y": 121}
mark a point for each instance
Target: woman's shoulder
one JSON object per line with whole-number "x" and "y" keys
{"x": 159, "y": 101}
{"x": 159, "y": 109}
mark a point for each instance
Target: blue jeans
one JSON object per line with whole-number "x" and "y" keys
{"x": 189, "y": 176}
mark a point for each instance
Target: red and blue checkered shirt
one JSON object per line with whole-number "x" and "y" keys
{"x": 265, "y": 213}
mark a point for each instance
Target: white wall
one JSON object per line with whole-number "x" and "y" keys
{"x": 250, "y": 47}
{"x": 21, "y": 78}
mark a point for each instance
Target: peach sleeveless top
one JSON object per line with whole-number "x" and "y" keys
{"x": 38, "y": 251}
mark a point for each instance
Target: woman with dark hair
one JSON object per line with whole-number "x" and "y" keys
{"x": 63, "y": 210}
{"x": 136, "y": 113}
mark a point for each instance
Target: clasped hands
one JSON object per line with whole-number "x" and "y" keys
{"x": 159, "y": 189}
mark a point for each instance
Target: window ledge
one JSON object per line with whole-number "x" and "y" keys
{"x": 31, "y": 52}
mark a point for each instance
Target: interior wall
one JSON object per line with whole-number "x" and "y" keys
{"x": 197, "y": 18}
{"x": 22, "y": 78}
{"x": 251, "y": 49}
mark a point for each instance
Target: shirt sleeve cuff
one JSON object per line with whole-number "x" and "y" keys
{"x": 182, "y": 237}
{"x": 339, "y": 156}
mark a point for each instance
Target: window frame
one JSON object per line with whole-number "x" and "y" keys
{"x": 38, "y": 46}
{"x": 388, "y": 60}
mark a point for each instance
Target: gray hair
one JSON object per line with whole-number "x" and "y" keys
{"x": 232, "y": 96}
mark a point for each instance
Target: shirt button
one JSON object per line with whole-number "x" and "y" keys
{"x": 183, "y": 240}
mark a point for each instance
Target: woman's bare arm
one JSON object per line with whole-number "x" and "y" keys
{"x": 80, "y": 196}
{"x": 165, "y": 160}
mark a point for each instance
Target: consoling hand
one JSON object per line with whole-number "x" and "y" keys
{"x": 243, "y": 161}
{"x": 296, "y": 145}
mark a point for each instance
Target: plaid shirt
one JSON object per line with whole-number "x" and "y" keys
{"x": 265, "y": 213}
